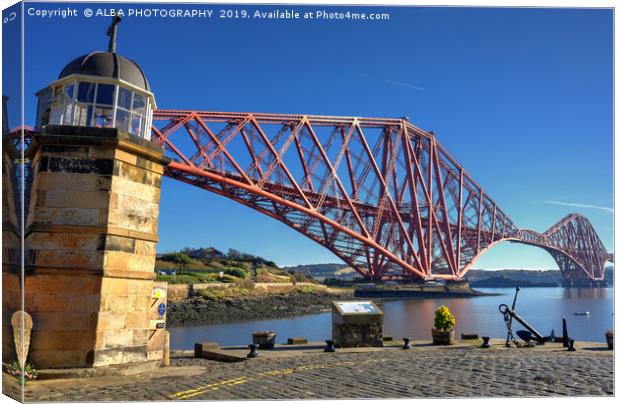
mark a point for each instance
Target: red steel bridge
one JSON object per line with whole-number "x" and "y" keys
{"x": 381, "y": 194}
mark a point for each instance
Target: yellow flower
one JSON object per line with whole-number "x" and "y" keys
{"x": 444, "y": 320}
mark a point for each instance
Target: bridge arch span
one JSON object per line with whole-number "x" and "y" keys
{"x": 570, "y": 267}
{"x": 381, "y": 194}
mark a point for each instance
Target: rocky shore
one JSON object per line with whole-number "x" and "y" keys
{"x": 203, "y": 310}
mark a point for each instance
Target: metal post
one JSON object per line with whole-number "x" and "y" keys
{"x": 253, "y": 351}
{"x": 564, "y": 333}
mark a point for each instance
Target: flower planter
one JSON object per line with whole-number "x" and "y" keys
{"x": 609, "y": 336}
{"x": 443, "y": 330}
{"x": 264, "y": 340}
{"x": 443, "y": 337}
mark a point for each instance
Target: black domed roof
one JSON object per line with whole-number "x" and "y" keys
{"x": 107, "y": 64}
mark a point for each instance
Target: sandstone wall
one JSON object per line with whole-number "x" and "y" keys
{"x": 185, "y": 291}
{"x": 91, "y": 232}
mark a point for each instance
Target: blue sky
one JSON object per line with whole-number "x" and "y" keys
{"x": 521, "y": 97}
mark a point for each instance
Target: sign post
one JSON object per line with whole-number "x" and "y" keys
{"x": 158, "y": 335}
{"x": 357, "y": 324}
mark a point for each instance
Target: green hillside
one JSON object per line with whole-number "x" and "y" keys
{"x": 201, "y": 265}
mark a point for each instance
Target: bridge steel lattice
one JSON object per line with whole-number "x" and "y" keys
{"x": 381, "y": 194}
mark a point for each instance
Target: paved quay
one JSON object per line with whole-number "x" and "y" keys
{"x": 390, "y": 372}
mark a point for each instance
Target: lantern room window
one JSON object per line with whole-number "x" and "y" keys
{"x": 101, "y": 105}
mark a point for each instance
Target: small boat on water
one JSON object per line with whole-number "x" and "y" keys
{"x": 583, "y": 313}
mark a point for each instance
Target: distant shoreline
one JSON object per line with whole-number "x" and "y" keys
{"x": 334, "y": 274}
{"x": 505, "y": 282}
{"x": 419, "y": 291}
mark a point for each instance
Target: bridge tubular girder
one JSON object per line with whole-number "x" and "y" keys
{"x": 381, "y": 194}
{"x": 577, "y": 249}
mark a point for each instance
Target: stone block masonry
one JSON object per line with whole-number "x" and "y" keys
{"x": 356, "y": 327}
{"x": 90, "y": 238}
{"x": 183, "y": 291}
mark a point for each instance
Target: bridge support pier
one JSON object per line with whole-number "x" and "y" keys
{"x": 584, "y": 283}
{"x": 90, "y": 238}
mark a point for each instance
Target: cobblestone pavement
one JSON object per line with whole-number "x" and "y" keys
{"x": 464, "y": 372}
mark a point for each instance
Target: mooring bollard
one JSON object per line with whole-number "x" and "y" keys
{"x": 565, "y": 338}
{"x": 485, "y": 342}
{"x": 330, "y": 346}
{"x": 571, "y": 345}
{"x": 406, "y": 344}
{"x": 253, "y": 351}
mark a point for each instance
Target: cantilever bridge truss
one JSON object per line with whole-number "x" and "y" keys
{"x": 381, "y": 194}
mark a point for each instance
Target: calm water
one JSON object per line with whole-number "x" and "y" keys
{"x": 541, "y": 307}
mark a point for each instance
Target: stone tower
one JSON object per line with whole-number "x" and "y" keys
{"x": 91, "y": 224}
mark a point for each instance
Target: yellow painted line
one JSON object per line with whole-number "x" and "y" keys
{"x": 212, "y": 386}
{"x": 212, "y": 389}
{"x": 182, "y": 395}
{"x": 196, "y": 389}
